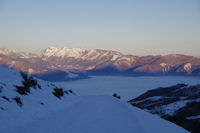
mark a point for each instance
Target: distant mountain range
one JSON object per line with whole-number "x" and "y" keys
{"x": 98, "y": 62}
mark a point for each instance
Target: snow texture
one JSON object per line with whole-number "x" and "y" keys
{"x": 42, "y": 112}
{"x": 62, "y": 52}
{"x": 97, "y": 114}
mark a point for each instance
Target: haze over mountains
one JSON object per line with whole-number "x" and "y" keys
{"x": 98, "y": 61}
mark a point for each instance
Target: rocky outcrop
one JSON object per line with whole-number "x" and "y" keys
{"x": 179, "y": 104}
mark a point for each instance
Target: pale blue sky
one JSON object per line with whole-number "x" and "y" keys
{"x": 139, "y": 27}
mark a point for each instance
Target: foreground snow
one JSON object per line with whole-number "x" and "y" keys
{"x": 42, "y": 112}
{"x": 95, "y": 114}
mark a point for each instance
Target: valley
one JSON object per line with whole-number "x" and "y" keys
{"x": 126, "y": 87}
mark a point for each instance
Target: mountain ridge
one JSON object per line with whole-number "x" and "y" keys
{"x": 82, "y": 60}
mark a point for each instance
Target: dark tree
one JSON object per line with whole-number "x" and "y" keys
{"x": 115, "y": 95}
{"x": 70, "y": 91}
{"x": 27, "y": 83}
{"x": 18, "y": 101}
{"x": 58, "y": 92}
{"x": 4, "y": 97}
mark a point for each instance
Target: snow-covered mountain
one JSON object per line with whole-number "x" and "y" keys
{"x": 179, "y": 104}
{"x": 15, "y": 54}
{"x": 31, "y": 105}
{"x": 98, "y": 61}
{"x": 63, "y": 52}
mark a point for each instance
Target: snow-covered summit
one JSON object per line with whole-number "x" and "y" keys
{"x": 62, "y": 52}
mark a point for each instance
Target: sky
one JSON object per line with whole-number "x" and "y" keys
{"x": 139, "y": 27}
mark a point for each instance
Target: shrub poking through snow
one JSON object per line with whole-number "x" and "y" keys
{"x": 18, "y": 101}
{"x": 28, "y": 82}
{"x": 4, "y": 97}
{"x": 70, "y": 91}
{"x": 23, "y": 90}
{"x": 115, "y": 95}
{"x": 39, "y": 86}
{"x": 58, "y": 92}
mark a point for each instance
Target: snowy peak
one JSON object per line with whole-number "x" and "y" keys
{"x": 63, "y": 52}
{"x": 82, "y": 60}
{"x": 188, "y": 67}
{"x": 79, "y": 53}
{"x": 95, "y": 56}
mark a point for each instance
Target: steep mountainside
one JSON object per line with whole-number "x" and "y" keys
{"x": 29, "y": 105}
{"x": 97, "y": 61}
{"x": 179, "y": 104}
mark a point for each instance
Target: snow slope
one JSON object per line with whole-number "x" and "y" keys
{"x": 42, "y": 112}
{"x": 98, "y": 114}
